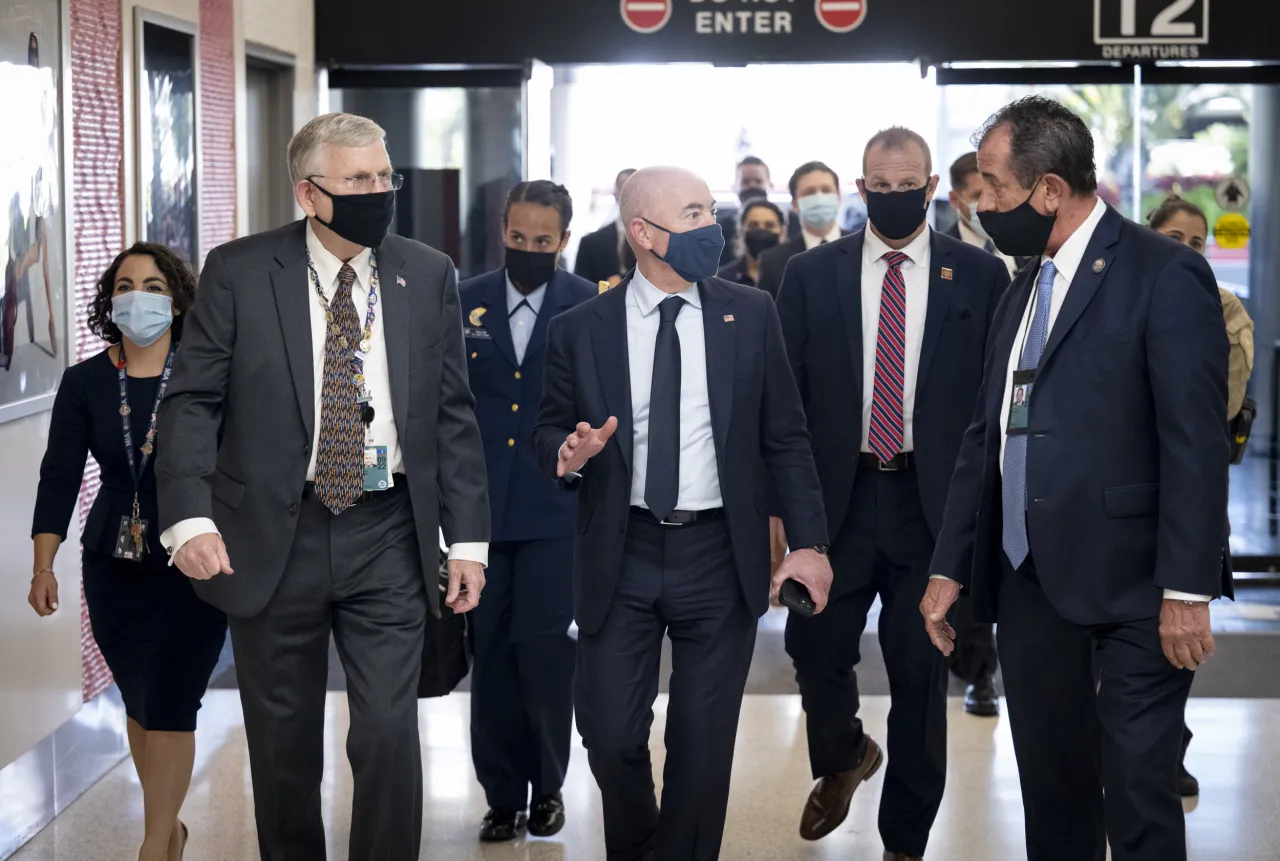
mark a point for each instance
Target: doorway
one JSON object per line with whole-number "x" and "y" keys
{"x": 269, "y": 82}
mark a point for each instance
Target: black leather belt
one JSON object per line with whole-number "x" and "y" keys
{"x": 679, "y": 518}
{"x": 904, "y": 461}
{"x": 398, "y": 481}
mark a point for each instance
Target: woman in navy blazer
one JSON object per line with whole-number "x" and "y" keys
{"x": 159, "y": 640}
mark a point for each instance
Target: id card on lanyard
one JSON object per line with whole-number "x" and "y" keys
{"x": 131, "y": 540}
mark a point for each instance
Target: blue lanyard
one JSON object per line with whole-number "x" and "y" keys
{"x": 137, "y": 468}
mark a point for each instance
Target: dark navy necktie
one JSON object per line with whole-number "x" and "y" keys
{"x": 662, "y": 478}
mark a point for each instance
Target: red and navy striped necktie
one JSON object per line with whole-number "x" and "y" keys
{"x": 887, "y": 429}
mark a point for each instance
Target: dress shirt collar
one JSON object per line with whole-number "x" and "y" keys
{"x": 813, "y": 240}
{"x": 874, "y": 248}
{"x": 968, "y": 235}
{"x": 515, "y": 297}
{"x": 1071, "y": 254}
{"x": 328, "y": 266}
{"x": 647, "y": 296}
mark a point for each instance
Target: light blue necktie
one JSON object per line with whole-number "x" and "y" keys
{"x": 1014, "y": 486}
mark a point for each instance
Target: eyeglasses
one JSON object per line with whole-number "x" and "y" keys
{"x": 364, "y": 183}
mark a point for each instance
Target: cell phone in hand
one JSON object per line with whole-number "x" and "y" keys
{"x": 796, "y": 598}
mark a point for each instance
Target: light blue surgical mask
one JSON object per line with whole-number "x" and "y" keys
{"x": 142, "y": 317}
{"x": 819, "y": 211}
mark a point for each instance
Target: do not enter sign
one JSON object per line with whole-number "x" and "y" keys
{"x": 646, "y": 16}
{"x": 841, "y": 16}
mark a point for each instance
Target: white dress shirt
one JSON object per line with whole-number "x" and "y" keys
{"x": 968, "y": 235}
{"x": 523, "y": 320}
{"x": 915, "y": 272}
{"x": 699, "y": 478}
{"x": 813, "y": 240}
{"x": 1067, "y": 262}
{"x": 382, "y": 431}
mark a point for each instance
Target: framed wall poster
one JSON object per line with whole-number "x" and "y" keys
{"x": 167, "y": 89}
{"x": 33, "y": 221}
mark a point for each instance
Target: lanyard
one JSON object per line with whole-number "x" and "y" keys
{"x": 360, "y": 350}
{"x": 137, "y": 468}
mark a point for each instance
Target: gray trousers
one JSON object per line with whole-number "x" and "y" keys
{"x": 359, "y": 576}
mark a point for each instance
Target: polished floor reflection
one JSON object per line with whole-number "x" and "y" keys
{"x": 981, "y": 817}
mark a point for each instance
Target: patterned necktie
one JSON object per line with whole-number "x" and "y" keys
{"x": 662, "y": 473}
{"x": 1014, "y": 484}
{"x": 887, "y": 429}
{"x": 340, "y": 455}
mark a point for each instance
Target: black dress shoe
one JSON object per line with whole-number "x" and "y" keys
{"x": 980, "y": 698}
{"x": 546, "y": 815}
{"x": 1188, "y": 786}
{"x": 501, "y": 824}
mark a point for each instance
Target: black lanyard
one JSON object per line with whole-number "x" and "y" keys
{"x": 136, "y": 467}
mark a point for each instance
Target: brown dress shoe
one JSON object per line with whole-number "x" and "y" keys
{"x": 828, "y": 803}
{"x": 902, "y": 856}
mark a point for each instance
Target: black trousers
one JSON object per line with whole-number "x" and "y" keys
{"x": 884, "y": 548}
{"x": 681, "y": 581}
{"x": 522, "y": 675}
{"x": 359, "y": 576}
{"x": 1095, "y": 764}
{"x": 975, "y": 653}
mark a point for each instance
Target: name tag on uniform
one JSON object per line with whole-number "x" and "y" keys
{"x": 1020, "y": 402}
{"x": 477, "y": 332}
{"x": 377, "y": 475}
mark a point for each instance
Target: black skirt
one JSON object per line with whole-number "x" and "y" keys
{"x": 159, "y": 640}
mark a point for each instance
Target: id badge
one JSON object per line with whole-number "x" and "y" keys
{"x": 131, "y": 540}
{"x": 376, "y": 474}
{"x": 1020, "y": 402}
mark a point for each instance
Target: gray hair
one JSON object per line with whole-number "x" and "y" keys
{"x": 342, "y": 130}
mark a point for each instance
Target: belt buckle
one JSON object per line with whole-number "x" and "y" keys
{"x": 889, "y": 465}
{"x": 669, "y": 523}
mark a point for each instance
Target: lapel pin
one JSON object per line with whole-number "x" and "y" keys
{"x": 728, "y": 318}
{"x": 946, "y": 274}
{"x": 1099, "y": 265}
{"x": 400, "y": 281}
{"x": 474, "y": 317}
{"x": 603, "y": 287}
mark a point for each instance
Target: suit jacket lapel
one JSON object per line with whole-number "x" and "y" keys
{"x": 609, "y": 341}
{"x": 849, "y": 291}
{"x": 721, "y": 337}
{"x": 396, "y": 315}
{"x": 497, "y": 320}
{"x": 294, "y": 293}
{"x": 936, "y": 315}
{"x": 554, "y": 301}
{"x": 1086, "y": 281}
{"x": 1006, "y": 343}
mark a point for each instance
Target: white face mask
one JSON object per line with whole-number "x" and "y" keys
{"x": 973, "y": 222}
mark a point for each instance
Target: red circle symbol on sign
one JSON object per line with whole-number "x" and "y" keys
{"x": 841, "y": 16}
{"x": 646, "y": 16}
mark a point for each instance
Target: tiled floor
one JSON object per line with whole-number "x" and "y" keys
{"x": 1238, "y": 816}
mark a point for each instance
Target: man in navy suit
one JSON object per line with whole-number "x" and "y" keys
{"x": 1092, "y": 524}
{"x": 673, "y": 532}
{"x": 886, "y": 332}
{"x": 522, "y": 679}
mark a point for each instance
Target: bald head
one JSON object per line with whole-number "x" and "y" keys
{"x": 670, "y": 197}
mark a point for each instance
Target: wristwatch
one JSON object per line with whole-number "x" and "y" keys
{"x": 820, "y": 549}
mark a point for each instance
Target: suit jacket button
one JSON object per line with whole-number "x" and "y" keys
{"x": 622, "y": 528}
{"x": 293, "y": 509}
{"x": 306, "y": 448}
{"x": 517, "y": 375}
{"x": 515, "y": 408}
{"x": 511, "y": 443}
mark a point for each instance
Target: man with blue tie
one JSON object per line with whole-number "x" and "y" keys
{"x": 886, "y": 333}
{"x": 1090, "y": 525}
{"x": 668, "y": 401}
{"x": 522, "y": 678}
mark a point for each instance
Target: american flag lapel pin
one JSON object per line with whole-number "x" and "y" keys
{"x": 728, "y": 318}
{"x": 400, "y": 281}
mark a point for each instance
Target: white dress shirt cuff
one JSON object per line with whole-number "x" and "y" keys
{"x": 1175, "y": 595}
{"x": 574, "y": 475}
{"x": 470, "y": 551}
{"x": 939, "y": 577}
{"x": 183, "y": 531}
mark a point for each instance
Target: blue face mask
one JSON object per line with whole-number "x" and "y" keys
{"x": 142, "y": 317}
{"x": 695, "y": 254}
{"x": 819, "y": 211}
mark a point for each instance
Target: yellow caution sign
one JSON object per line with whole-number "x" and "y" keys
{"x": 1232, "y": 231}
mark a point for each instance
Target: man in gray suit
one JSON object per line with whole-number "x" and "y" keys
{"x": 319, "y": 432}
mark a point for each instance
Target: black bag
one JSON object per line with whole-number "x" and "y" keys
{"x": 1241, "y": 428}
{"x": 445, "y": 658}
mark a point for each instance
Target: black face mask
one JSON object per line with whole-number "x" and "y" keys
{"x": 897, "y": 214}
{"x": 1022, "y": 231}
{"x": 760, "y": 241}
{"x": 749, "y": 194}
{"x": 363, "y": 219}
{"x": 529, "y": 270}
